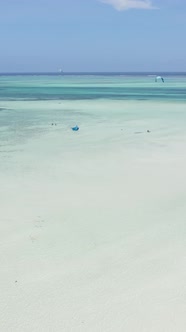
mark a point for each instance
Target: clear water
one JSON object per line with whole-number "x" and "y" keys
{"x": 97, "y": 86}
{"x": 112, "y": 110}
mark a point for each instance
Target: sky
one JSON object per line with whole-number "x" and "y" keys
{"x": 92, "y": 35}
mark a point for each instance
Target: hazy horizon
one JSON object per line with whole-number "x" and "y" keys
{"x": 153, "y": 73}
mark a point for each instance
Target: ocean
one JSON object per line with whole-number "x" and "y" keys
{"x": 119, "y": 86}
{"x": 92, "y": 222}
{"x": 115, "y": 109}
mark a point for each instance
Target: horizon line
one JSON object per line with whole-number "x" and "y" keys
{"x": 89, "y": 72}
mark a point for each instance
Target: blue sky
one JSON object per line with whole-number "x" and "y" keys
{"x": 92, "y": 35}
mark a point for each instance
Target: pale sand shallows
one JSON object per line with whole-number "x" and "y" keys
{"x": 92, "y": 229}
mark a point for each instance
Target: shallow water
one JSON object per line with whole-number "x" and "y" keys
{"x": 92, "y": 222}
{"x": 91, "y": 101}
{"x": 80, "y": 87}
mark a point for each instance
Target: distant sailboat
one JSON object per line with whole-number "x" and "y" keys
{"x": 60, "y": 71}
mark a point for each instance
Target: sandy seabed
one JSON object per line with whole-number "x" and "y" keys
{"x": 92, "y": 226}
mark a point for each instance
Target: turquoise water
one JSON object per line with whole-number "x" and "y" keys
{"x": 84, "y": 87}
{"x": 111, "y": 110}
{"x": 92, "y": 222}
